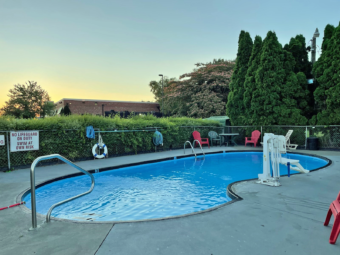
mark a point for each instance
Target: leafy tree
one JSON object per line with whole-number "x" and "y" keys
{"x": 156, "y": 89}
{"x": 204, "y": 92}
{"x": 250, "y": 83}
{"x": 327, "y": 73}
{"x": 297, "y": 46}
{"x": 235, "y": 106}
{"x": 48, "y": 109}
{"x": 275, "y": 100}
{"x": 200, "y": 93}
{"x": 27, "y": 101}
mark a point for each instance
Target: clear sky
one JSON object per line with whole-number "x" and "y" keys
{"x": 108, "y": 49}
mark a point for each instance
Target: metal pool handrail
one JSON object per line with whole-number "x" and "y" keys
{"x": 200, "y": 146}
{"x": 33, "y": 202}
{"x": 192, "y": 148}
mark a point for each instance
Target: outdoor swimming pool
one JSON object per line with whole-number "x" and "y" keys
{"x": 156, "y": 190}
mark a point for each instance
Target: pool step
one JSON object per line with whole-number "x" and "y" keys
{"x": 88, "y": 216}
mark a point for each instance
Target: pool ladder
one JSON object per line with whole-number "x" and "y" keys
{"x": 33, "y": 202}
{"x": 192, "y": 148}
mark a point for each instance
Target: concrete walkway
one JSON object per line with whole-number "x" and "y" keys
{"x": 284, "y": 220}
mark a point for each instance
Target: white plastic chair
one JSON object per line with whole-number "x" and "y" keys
{"x": 289, "y": 145}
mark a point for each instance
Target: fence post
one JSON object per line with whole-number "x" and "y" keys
{"x": 306, "y": 139}
{"x": 8, "y": 156}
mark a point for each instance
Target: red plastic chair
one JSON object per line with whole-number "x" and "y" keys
{"x": 335, "y": 210}
{"x": 197, "y": 136}
{"x": 255, "y": 135}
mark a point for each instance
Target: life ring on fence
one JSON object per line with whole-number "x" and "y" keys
{"x": 94, "y": 151}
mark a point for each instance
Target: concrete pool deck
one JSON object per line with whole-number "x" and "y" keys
{"x": 269, "y": 220}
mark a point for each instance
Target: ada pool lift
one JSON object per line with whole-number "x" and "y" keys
{"x": 276, "y": 145}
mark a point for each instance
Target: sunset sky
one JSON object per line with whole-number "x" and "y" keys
{"x": 112, "y": 49}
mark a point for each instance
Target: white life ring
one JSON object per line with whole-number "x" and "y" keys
{"x": 94, "y": 151}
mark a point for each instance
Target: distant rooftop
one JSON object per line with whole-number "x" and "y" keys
{"x": 100, "y": 100}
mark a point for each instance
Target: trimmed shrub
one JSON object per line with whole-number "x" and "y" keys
{"x": 66, "y": 135}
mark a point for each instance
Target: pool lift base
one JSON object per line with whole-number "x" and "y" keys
{"x": 270, "y": 182}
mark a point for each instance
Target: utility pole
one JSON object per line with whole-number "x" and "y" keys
{"x": 316, "y": 34}
{"x": 162, "y": 94}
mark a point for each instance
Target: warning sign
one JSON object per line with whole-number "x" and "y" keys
{"x": 2, "y": 140}
{"x": 24, "y": 141}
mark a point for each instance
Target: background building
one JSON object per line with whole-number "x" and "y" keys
{"x": 99, "y": 107}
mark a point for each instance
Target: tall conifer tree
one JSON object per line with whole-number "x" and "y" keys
{"x": 328, "y": 91}
{"x": 250, "y": 83}
{"x": 277, "y": 87}
{"x": 294, "y": 94}
{"x": 318, "y": 70}
{"x": 235, "y": 106}
{"x": 297, "y": 46}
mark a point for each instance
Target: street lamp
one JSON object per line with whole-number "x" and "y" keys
{"x": 312, "y": 81}
{"x": 162, "y": 93}
{"x": 316, "y": 34}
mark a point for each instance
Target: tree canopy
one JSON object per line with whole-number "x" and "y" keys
{"x": 327, "y": 74}
{"x": 276, "y": 96}
{"x": 158, "y": 91}
{"x": 28, "y": 100}
{"x": 235, "y": 105}
{"x": 201, "y": 93}
{"x": 265, "y": 85}
{"x": 250, "y": 79}
{"x": 297, "y": 46}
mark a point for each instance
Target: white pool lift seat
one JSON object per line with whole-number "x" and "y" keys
{"x": 294, "y": 164}
{"x": 273, "y": 148}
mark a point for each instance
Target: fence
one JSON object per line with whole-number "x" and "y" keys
{"x": 74, "y": 145}
{"x": 329, "y": 136}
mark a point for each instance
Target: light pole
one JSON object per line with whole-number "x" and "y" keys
{"x": 316, "y": 34}
{"x": 162, "y": 94}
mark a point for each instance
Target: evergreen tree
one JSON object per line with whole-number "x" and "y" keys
{"x": 318, "y": 70}
{"x": 250, "y": 83}
{"x": 297, "y": 46}
{"x": 67, "y": 110}
{"x": 328, "y": 91}
{"x": 235, "y": 106}
{"x": 329, "y": 29}
{"x": 277, "y": 87}
{"x": 294, "y": 94}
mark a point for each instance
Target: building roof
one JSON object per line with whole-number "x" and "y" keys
{"x": 220, "y": 119}
{"x": 99, "y": 100}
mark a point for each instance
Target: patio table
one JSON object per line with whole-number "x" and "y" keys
{"x": 229, "y": 137}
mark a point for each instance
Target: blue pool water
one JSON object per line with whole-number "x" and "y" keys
{"x": 156, "y": 190}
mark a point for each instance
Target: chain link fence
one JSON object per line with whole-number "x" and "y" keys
{"x": 74, "y": 145}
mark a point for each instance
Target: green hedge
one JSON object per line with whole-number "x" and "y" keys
{"x": 66, "y": 135}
